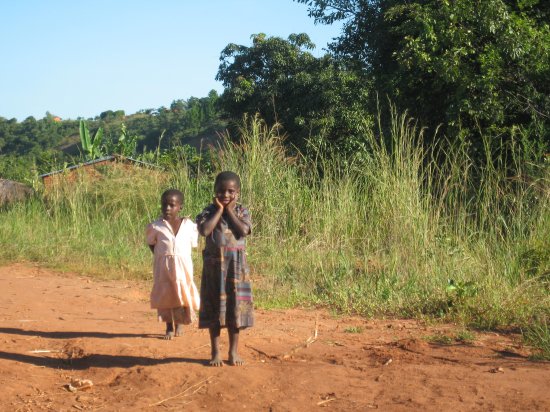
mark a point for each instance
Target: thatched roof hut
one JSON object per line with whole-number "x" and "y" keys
{"x": 69, "y": 174}
{"x": 11, "y": 191}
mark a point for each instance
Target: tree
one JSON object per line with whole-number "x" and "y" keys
{"x": 473, "y": 66}
{"x": 283, "y": 82}
{"x": 210, "y": 104}
{"x": 110, "y": 115}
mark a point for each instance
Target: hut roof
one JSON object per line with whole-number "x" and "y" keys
{"x": 100, "y": 160}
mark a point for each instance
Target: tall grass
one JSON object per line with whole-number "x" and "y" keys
{"x": 395, "y": 231}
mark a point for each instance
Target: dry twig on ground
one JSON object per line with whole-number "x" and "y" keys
{"x": 198, "y": 386}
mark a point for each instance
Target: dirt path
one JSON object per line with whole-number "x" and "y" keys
{"x": 56, "y": 328}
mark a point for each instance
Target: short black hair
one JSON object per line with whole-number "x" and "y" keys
{"x": 226, "y": 177}
{"x": 172, "y": 192}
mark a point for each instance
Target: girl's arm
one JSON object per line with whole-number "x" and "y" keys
{"x": 241, "y": 228}
{"x": 151, "y": 237}
{"x": 206, "y": 227}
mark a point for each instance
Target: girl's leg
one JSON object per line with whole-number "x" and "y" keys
{"x": 185, "y": 319}
{"x": 215, "y": 346}
{"x": 234, "y": 358}
{"x": 169, "y": 331}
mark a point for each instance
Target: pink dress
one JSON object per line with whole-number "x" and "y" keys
{"x": 174, "y": 293}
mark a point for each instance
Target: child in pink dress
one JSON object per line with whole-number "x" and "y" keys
{"x": 171, "y": 238}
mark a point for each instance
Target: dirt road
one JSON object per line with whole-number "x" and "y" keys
{"x": 61, "y": 328}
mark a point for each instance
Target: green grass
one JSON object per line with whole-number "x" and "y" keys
{"x": 537, "y": 335}
{"x": 390, "y": 232}
{"x": 463, "y": 336}
{"x": 354, "y": 329}
{"x": 440, "y": 339}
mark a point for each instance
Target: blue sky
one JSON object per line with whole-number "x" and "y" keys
{"x": 78, "y": 58}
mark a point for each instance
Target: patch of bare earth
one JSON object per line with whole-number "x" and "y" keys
{"x": 70, "y": 343}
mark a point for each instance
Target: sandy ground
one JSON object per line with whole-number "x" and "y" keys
{"x": 61, "y": 328}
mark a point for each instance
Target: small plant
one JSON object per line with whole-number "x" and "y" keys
{"x": 354, "y": 329}
{"x": 92, "y": 147}
{"x": 440, "y": 339}
{"x": 126, "y": 145}
{"x": 458, "y": 292}
{"x": 465, "y": 336}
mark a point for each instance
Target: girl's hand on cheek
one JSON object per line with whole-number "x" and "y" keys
{"x": 218, "y": 203}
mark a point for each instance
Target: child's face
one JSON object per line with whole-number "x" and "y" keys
{"x": 170, "y": 206}
{"x": 227, "y": 191}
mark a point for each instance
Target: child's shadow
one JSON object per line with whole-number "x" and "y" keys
{"x": 96, "y": 360}
{"x": 88, "y": 360}
{"x": 70, "y": 335}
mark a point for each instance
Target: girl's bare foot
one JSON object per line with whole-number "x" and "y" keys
{"x": 216, "y": 361}
{"x": 215, "y": 346}
{"x": 235, "y": 360}
{"x": 179, "y": 330}
{"x": 169, "y": 331}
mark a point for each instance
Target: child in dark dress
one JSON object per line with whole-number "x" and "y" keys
{"x": 225, "y": 293}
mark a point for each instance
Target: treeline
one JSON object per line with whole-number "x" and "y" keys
{"x": 23, "y": 145}
{"x": 36, "y": 146}
{"x": 184, "y": 119}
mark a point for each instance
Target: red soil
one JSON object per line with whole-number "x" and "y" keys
{"x": 55, "y": 328}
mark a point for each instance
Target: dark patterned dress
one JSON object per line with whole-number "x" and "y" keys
{"x": 226, "y": 294}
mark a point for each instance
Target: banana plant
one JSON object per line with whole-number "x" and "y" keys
{"x": 124, "y": 145}
{"x": 92, "y": 147}
{"x": 127, "y": 144}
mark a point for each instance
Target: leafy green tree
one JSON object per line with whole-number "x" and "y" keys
{"x": 110, "y": 115}
{"x": 178, "y": 106}
{"x": 284, "y": 83}
{"x": 7, "y": 131}
{"x": 209, "y": 106}
{"x": 472, "y": 66}
{"x": 16, "y": 167}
